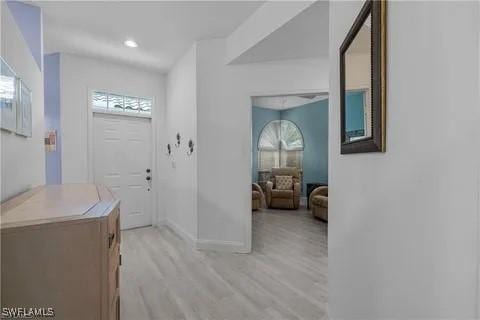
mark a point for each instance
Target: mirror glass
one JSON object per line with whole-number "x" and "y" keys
{"x": 358, "y": 85}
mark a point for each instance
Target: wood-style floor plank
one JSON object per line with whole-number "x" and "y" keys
{"x": 285, "y": 276}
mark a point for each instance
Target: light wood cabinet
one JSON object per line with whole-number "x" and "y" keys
{"x": 60, "y": 248}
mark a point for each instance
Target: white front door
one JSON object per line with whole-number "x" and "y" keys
{"x": 122, "y": 157}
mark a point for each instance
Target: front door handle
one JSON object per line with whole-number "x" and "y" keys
{"x": 148, "y": 178}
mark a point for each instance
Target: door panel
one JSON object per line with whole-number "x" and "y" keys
{"x": 122, "y": 154}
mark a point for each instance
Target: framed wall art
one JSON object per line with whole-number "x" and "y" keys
{"x": 51, "y": 140}
{"x": 8, "y": 97}
{"x": 24, "y": 110}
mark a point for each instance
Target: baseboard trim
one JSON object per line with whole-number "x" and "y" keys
{"x": 223, "y": 246}
{"x": 160, "y": 223}
{"x": 182, "y": 233}
{"x": 203, "y": 244}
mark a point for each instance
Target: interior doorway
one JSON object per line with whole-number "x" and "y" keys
{"x": 290, "y": 164}
{"x": 290, "y": 131}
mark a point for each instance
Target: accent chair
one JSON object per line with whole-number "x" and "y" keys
{"x": 319, "y": 203}
{"x": 280, "y": 197}
{"x": 257, "y": 197}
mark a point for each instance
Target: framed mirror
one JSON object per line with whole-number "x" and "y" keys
{"x": 363, "y": 81}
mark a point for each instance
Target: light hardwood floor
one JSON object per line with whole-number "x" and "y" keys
{"x": 285, "y": 277}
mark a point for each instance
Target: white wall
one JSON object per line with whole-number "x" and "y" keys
{"x": 403, "y": 225}
{"x": 263, "y": 22}
{"x": 358, "y": 66}
{"x": 478, "y": 192}
{"x": 78, "y": 75}
{"x": 23, "y": 159}
{"x": 178, "y": 194}
{"x": 224, "y": 136}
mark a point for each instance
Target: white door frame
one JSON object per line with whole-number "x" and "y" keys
{"x": 90, "y": 167}
{"x": 251, "y": 95}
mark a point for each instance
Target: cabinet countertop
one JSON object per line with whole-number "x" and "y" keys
{"x": 54, "y": 203}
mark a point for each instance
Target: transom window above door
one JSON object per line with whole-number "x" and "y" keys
{"x": 115, "y": 103}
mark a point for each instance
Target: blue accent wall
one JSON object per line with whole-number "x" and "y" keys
{"x": 53, "y": 160}
{"x": 354, "y": 115}
{"x": 260, "y": 117}
{"x": 29, "y": 21}
{"x": 312, "y": 120}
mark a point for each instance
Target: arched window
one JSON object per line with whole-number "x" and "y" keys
{"x": 280, "y": 145}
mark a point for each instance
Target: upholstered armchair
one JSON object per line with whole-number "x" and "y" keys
{"x": 319, "y": 203}
{"x": 283, "y": 198}
{"x": 258, "y": 198}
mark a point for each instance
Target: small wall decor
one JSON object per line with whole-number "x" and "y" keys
{"x": 190, "y": 147}
{"x": 8, "y": 97}
{"x": 178, "y": 140}
{"x": 24, "y": 111}
{"x": 51, "y": 140}
{"x": 169, "y": 150}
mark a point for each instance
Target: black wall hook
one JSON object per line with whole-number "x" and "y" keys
{"x": 178, "y": 140}
{"x": 190, "y": 147}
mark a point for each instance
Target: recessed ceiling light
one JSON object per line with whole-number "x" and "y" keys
{"x": 130, "y": 43}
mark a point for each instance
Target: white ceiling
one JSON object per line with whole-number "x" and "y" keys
{"x": 286, "y": 102}
{"x": 305, "y": 36}
{"x": 163, "y": 29}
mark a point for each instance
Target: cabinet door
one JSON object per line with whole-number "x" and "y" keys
{"x": 114, "y": 275}
{"x": 115, "y": 309}
{"x": 113, "y": 261}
